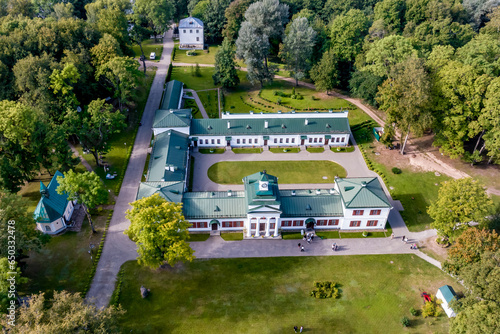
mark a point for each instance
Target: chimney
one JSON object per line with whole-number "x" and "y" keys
{"x": 306, "y": 122}
{"x": 229, "y": 193}
{"x": 332, "y": 191}
{"x": 330, "y": 111}
{"x": 228, "y": 125}
{"x": 251, "y": 112}
{"x": 293, "y": 193}
{"x": 363, "y": 184}
{"x": 266, "y": 124}
{"x": 318, "y": 191}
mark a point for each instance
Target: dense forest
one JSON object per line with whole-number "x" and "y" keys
{"x": 430, "y": 65}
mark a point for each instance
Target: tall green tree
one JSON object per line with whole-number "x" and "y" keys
{"x": 234, "y": 17}
{"x": 86, "y": 188}
{"x": 325, "y": 74}
{"x": 140, "y": 32}
{"x": 253, "y": 49}
{"x": 405, "y": 97}
{"x": 121, "y": 75}
{"x": 392, "y": 13}
{"x": 347, "y": 34}
{"x": 297, "y": 48}
{"x": 460, "y": 202}
{"x": 481, "y": 317}
{"x": 17, "y": 223}
{"x": 107, "y": 49}
{"x": 483, "y": 277}
{"x": 66, "y": 313}
{"x": 225, "y": 73}
{"x": 9, "y": 272}
{"x": 214, "y": 19}
{"x": 364, "y": 85}
{"x": 157, "y": 13}
{"x": 95, "y": 125}
{"x": 160, "y": 231}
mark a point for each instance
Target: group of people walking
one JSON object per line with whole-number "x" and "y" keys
{"x": 295, "y": 328}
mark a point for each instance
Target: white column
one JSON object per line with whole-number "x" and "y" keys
{"x": 268, "y": 225}
{"x": 257, "y": 226}
{"x": 275, "y": 227}
{"x": 249, "y": 227}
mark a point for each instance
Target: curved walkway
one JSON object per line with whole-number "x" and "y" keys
{"x": 198, "y": 102}
{"x": 118, "y": 248}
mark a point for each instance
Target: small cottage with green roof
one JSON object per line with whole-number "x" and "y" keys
{"x": 446, "y": 294}
{"x": 53, "y": 212}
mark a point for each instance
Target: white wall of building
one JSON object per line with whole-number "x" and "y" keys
{"x": 54, "y": 227}
{"x": 191, "y": 36}
{"x": 337, "y": 114}
{"x": 363, "y": 219}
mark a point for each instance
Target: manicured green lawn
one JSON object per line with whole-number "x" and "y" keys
{"x": 118, "y": 155}
{"x": 212, "y": 150}
{"x": 359, "y": 235}
{"x": 284, "y": 149}
{"x": 342, "y": 149}
{"x": 199, "y": 237}
{"x": 271, "y": 295}
{"x": 247, "y": 150}
{"x": 291, "y": 235}
{"x": 210, "y": 102}
{"x": 64, "y": 263}
{"x": 31, "y": 190}
{"x": 191, "y": 104}
{"x": 201, "y": 57}
{"x": 231, "y": 172}
{"x": 231, "y": 236}
{"x": 415, "y": 190}
{"x": 316, "y": 149}
{"x": 149, "y": 46}
{"x": 328, "y": 234}
{"x": 184, "y": 74}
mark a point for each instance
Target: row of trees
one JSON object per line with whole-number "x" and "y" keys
{"x": 430, "y": 65}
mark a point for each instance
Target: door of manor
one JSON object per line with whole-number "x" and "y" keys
{"x": 262, "y": 227}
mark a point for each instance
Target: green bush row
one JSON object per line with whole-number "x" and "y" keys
{"x": 115, "y": 297}
{"x": 98, "y": 256}
{"x": 122, "y": 174}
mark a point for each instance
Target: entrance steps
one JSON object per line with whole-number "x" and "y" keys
{"x": 215, "y": 233}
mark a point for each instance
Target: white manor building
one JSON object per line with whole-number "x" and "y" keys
{"x": 262, "y": 209}
{"x": 191, "y": 34}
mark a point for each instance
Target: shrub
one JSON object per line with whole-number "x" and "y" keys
{"x": 405, "y": 321}
{"x": 325, "y": 289}
{"x": 299, "y": 97}
{"x": 396, "y": 170}
{"x": 414, "y": 312}
{"x": 430, "y": 309}
{"x": 191, "y": 53}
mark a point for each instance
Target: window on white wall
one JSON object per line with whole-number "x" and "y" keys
{"x": 244, "y": 141}
{"x": 287, "y": 140}
{"x": 293, "y": 140}
{"x": 275, "y": 140}
{"x": 237, "y": 141}
{"x": 213, "y": 141}
{"x": 281, "y": 140}
{"x": 218, "y": 141}
{"x": 197, "y": 39}
{"x": 190, "y": 31}
{"x": 310, "y": 140}
{"x": 184, "y": 31}
{"x": 343, "y": 139}
{"x": 197, "y": 30}
{"x": 201, "y": 141}
{"x": 47, "y": 228}
{"x": 338, "y": 139}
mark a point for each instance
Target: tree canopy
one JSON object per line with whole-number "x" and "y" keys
{"x": 160, "y": 231}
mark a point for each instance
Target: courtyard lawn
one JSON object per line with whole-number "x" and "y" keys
{"x": 184, "y": 74}
{"x": 232, "y": 172}
{"x": 210, "y": 101}
{"x": 284, "y": 149}
{"x": 342, "y": 149}
{"x": 198, "y": 237}
{"x": 316, "y": 149}
{"x": 191, "y": 104}
{"x": 149, "y": 46}
{"x": 117, "y": 157}
{"x": 231, "y": 236}
{"x": 64, "y": 263}
{"x": 271, "y": 295}
{"x": 201, "y": 57}
{"x": 212, "y": 150}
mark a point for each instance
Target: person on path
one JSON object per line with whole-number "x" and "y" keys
{"x": 308, "y": 240}
{"x": 299, "y": 245}
{"x": 295, "y": 327}
{"x": 301, "y": 329}
{"x": 312, "y": 237}
{"x": 302, "y": 249}
{"x": 392, "y": 235}
{"x": 334, "y": 246}
{"x": 406, "y": 240}
{"x": 403, "y": 239}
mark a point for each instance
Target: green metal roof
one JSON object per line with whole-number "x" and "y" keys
{"x": 256, "y": 197}
{"x": 448, "y": 293}
{"x": 171, "y": 191}
{"x": 308, "y": 203}
{"x": 362, "y": 192}
{"x": 210, "y": 205}
{"x": 51, "y": 205}
{"x": 172, "y": 95}
{"x": 276, "y": 126}
{"x": 172, "y": 118}
{"x": 169, "y": 150}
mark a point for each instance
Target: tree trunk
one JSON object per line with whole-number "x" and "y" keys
{"x": 296, "y": 82}
{"x": 406, "y": 139}
{"x": 144, "y": 57}
{"x": 95, "y": 153}
{"x": 482, "y": 148}
{"x": 89, "y": 218}
{"x": 265, "y": 62}
{"x": 478, "y": 140}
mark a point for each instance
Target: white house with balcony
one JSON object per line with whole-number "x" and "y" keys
{"x": 191, "y": 34}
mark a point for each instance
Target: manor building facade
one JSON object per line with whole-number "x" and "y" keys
{"x": 261, "y": 209}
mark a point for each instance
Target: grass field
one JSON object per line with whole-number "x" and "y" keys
{"x": 198, "y": 237}
{"x": 194, "y": 107}
{"x": 342, "y": 149}
{"x": 210, "y": 101}
{"x": 212, "y": 150}
{"x": 247, "y": 150}
{"x": 271, "y": 295}
{"x": 120, "y": 143}
{"x": 316, "y": 149}
{"x": 149, "y": 46}
{"x": 415, "y": 190}
{"x": 184, "y": 75}
{"x": 231, "y": 236}
{"x": 231, "y": 172}
{"x": 284, "y": 149}
{"x": 201, "y": 57}
{"x": 64, "y": 263}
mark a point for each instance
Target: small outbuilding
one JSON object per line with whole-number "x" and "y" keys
{"x": 191, "y": 34}
{"x": 53, "y": 212}
{"x": 446, "y": 295}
